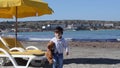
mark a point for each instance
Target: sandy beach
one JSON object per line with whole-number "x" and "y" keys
{"x": 85, "y": 54}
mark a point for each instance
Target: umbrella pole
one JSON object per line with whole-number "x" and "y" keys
{"x": 16, "y": 25}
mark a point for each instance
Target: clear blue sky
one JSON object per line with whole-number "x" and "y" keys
{"x": 82, "y": 10}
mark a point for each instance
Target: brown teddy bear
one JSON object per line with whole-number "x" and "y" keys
{"x": 49, "y": 53}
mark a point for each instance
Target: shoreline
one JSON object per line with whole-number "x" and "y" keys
{"x": 70, "y": 39}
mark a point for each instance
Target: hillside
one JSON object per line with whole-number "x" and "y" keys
{"x": 71, "y": 24}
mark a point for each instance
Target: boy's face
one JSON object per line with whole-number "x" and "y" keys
{"x": 58, "y": 35}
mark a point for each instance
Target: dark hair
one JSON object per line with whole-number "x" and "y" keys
{"x": 58, "y": 29}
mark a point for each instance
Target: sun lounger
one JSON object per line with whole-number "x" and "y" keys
{"x": 5, "y": 52}
{"x": 11, "y": 43}
{"x": 21, "y": 51}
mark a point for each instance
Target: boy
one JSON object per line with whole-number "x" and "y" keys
{"x": 59, "y": 45}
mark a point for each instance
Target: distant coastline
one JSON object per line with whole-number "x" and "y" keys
{"x": 89, "y": 30}
{"x": 49, "y": 25}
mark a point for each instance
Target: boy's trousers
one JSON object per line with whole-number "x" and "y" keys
{"x": 57, "y": 60}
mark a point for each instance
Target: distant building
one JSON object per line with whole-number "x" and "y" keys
{"x": 108, "y": 25}
{"x": 52, "y": 26}
{"x": 21, "y": 30}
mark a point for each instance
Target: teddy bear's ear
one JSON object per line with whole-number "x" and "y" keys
{"x": 50, "y": 45}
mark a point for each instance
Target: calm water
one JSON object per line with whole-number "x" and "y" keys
{"x": 82, "y": 34}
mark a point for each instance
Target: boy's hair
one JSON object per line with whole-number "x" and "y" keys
{"x": 58, "y": 29}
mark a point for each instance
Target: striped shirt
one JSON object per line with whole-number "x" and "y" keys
{"x": 60, "y": 45}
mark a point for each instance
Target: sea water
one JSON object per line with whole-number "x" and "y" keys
{"x": 72, "y": 35}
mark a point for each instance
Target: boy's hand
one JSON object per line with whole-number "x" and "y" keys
{"x": 51, "y": 61}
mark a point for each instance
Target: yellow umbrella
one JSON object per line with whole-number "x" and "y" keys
{"x": 23, "y": 8}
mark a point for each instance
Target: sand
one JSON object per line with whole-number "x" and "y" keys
{"x": 86, "y": 54}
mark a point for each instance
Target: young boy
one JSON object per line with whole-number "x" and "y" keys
{"x": 59, "y": 46}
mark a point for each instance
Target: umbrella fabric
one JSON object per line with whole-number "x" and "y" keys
{"x": 23, "y": 8}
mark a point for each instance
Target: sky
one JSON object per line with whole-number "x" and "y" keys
{"x": 108, "y": 10}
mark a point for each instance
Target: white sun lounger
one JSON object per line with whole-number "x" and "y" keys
{"x": 29, "y": 54}
{"x": 4, "y": 52}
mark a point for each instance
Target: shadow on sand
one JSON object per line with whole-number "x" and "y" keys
{"x": 23, "y": 62}
{"x": 76, "y": 61}
{"x": 92, "y": 61}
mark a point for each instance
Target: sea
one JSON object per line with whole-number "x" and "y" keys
{"x": 81, "y": 35}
